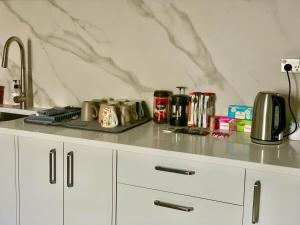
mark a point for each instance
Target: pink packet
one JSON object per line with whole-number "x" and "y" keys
{"x": 225, "y": 123}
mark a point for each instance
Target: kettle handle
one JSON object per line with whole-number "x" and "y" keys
{"x": 282, "y": 120}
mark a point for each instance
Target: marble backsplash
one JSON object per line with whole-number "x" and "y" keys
{"x": 85, "y": 49}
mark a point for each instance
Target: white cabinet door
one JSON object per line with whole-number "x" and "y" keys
{"x": 88, "y": 185}
{"x": 274, "y": 201}
{"x": 41, "y": 181}
{"x": 141, "y": 206}
{"x": 8, "y": 191}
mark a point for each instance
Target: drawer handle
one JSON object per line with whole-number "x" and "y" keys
{"x": 256, "y": 202}
{"x": 52, "y": 166}
{"x": 70, "y": 169}
{"x": 173, "y": 170}
{"x": 173, "y": 206}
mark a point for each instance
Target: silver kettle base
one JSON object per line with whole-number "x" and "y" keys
{"x": 262, "y": 142}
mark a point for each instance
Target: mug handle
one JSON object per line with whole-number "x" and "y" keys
{"x": 95, "y": 114}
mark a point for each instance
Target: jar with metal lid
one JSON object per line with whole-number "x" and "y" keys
{"x": 161, "y": 106}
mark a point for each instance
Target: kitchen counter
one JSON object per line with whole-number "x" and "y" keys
{"x": 149, "y": 138}
{"x": 16, "y": 109}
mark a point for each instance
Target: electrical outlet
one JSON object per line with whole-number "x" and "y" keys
{"x": 294, "y": 62}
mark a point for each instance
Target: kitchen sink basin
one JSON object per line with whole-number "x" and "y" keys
{"x": 10, "y": 116}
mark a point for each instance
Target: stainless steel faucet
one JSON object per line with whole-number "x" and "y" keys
{"x": 22, "y": 99}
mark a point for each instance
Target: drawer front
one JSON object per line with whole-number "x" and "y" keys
{"x": 199, "y": 179}
{"x": 141, "y": 206}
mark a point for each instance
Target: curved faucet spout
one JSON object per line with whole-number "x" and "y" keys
{"x": 23, "y": 103}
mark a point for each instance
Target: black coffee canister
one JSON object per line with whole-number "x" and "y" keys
{"x": 179, "y": 108}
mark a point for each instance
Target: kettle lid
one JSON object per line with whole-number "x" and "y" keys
{"x": 268, "y": 93}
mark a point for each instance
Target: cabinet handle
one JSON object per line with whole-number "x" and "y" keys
{"x": 70, "y": 169}
{"x": 256, "y": 202}
{"x": 173, "y": 206}
{"x": 173, "y": 170}
{"x": 52, "y": 166}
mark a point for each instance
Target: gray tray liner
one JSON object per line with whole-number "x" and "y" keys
{"x": 93, "y": 125}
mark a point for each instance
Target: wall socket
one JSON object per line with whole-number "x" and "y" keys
{"x": 294, "y": 62}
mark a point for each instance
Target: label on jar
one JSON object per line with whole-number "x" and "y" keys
{"x": 161, "y": 109}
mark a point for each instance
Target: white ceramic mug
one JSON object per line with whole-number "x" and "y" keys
{"x": 108, "y": 116}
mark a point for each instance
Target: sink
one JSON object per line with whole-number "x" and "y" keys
{"x": 10, "y": 116}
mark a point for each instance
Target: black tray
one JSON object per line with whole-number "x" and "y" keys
{"x": 91, "y": 125}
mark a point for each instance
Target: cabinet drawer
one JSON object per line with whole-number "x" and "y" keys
{"x": 141, "y": 206}
{"x": 205, "y": 180}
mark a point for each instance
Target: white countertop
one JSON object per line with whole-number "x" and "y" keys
{"x": 149, "y": 138}
{"x": 16, "y": 109}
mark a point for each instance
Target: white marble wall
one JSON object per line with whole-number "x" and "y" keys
{"x": 84, "y": 49}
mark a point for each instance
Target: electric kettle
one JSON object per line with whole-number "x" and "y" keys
{"x": 269, "y": 118}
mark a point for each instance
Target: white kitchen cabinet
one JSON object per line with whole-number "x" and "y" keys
{"x": 141, "y": 206}
{"x": 194, "y": 178}
{"x": 64, "y": 184}
{"x": 40, "y": 181}
{"x": 8, "y": 189}
{"x": 271, "y": 198}
{"x": 88, "y": 185}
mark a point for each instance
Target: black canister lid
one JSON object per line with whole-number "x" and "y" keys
{"x": 180, "y": 99}
{"x": 162, "y": 93}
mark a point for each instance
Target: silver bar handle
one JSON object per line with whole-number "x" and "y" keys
{"x": 256, "y": 202}
{"x": 52, "y": 166}
{"x": 173, "y": 170}
{"x": 173, "y": 206}
{"x": 70, "y": 169}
